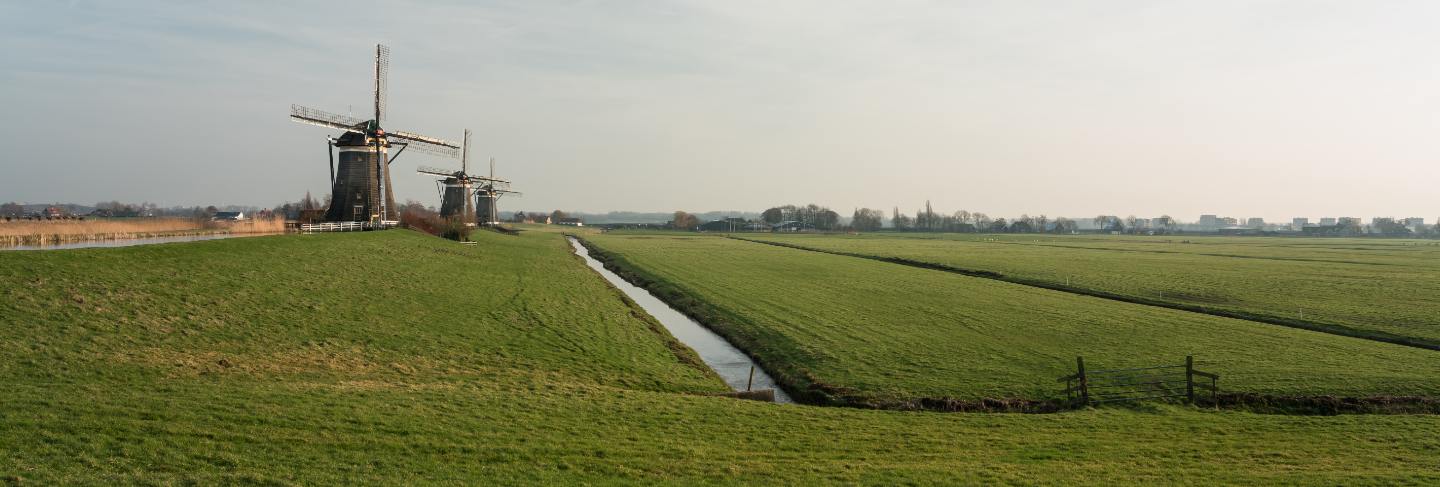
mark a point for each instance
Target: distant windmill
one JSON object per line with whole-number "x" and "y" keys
{"x": 487, "y": 196}
{"x": 364, "y": 172}
{"x": 457, "y": 187}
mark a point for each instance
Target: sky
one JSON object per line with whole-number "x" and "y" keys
{"x": 1065, "y": 108}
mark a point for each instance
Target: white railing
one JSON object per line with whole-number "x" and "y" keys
{"x": 334, "y": 227}
{"x": 347, "y": 226}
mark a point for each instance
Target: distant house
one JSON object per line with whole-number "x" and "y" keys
{"x": 569, "y": 221}
{"x": 791, "y": 226}
{"x": 726, "y": 225}
{"x": 228, "y": 216}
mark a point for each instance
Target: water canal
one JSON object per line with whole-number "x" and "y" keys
{"x": 728, "y": 361}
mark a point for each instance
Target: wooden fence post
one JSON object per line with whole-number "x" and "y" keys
{"x": 1084, "y": 381}
{"x": 1190, "y": 379}
{"x": 751, "y": 381}
{"x": 1215, "y": 391}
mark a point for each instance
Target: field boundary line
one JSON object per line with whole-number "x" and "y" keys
{"x": 1337, "y": 330}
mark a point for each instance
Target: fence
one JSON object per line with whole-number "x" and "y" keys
{"x": 345, "y": 226}
{"x": 1140, "y": 383}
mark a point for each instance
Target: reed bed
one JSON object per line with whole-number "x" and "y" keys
{"x": 51, "y": 232}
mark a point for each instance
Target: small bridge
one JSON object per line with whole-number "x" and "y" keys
{"x": 1087, "y": 387}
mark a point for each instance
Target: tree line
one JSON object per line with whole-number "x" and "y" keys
{"x": 926, "y": 219}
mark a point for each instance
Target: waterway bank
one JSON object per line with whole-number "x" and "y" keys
{"x": 729, "y": 362}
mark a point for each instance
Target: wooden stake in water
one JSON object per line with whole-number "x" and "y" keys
{"x": 752, "y": 378}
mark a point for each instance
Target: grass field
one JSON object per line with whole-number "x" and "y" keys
{"x": 878, "y": 333}
{"x": 1363, "y": 287}
{"x": 391, "y": 357}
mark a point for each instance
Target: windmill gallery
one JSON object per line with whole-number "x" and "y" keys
{"x": 360, "y": 185}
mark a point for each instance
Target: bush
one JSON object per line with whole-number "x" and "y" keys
{"x": 455, "y": 229}
{"x": 422, "y": 220}
{"x": 430, "y": 222}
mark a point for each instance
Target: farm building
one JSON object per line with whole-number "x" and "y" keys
{"x": 792, "y": 226}
{"x": 731, "y": 224}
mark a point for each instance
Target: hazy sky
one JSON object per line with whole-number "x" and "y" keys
{"x": 1247, "y": 108}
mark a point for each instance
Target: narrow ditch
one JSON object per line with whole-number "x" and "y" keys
{"x": 732, "y": 364}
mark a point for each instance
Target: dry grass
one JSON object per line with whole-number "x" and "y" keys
{"x": 26, "y": 232}
{"x": 95, "y": 227}
{"x": 271, "y": 225}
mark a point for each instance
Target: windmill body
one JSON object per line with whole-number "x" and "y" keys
{"x": 487, "y": 207}
{"x": 455, "y": 199}
{"x": 355, "y": 194}
{"x": 360, "y": 188}
{"x": 487, "y": 198}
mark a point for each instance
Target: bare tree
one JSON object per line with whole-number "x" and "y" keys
{"x": 900, "y": 221}
{"x": 773, "y": 215}
{"x": 12, "y": 209}
{"x": 981, "y": 220}
{"x": 867, "y": 220}
{"x": 684, "y": 221}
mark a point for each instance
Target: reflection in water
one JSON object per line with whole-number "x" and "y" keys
{"x": 728, "y": 361}
{"x": 126, "y": 242}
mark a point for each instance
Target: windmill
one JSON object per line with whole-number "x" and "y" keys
{"x": 360, "y": 189}
{"x": 487, "y": 196}
{"x": 457, "y": 187}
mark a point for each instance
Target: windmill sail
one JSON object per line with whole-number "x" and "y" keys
{"x": 382, "y": 73}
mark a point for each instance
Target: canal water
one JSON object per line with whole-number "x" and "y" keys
{"x": 123, "y": 242}
{"x": 728, "y": 361}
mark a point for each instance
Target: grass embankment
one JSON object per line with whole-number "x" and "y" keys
{"x": 390, "y": 357}
{"x": 51, "y": 232}
{"x": 860, "y": 332}
{"x": 1369, "y": 288}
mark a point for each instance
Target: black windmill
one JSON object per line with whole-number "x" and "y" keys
{"x": 487, "y": 196}
{"x": 456, "y": 189}
{"x": 363, "y": 175}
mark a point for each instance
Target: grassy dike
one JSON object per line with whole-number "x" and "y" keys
{"x": 391, "y": 357}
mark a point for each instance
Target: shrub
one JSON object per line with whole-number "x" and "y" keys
{"x": 421, "y": 219}
{"x": 455, "y": 229}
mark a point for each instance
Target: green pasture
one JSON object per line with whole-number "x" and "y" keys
{"x": 869, "y": 332}
{"x": 396, "y": 358}
{"x": 1376, "y": 288}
